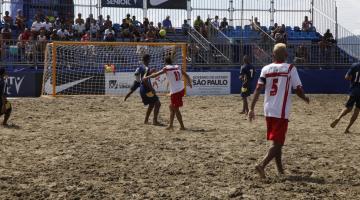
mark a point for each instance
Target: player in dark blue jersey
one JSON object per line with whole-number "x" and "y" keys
{"x": 353, "y": 75}
{"x": 246, "y": 76}
{"x": 147, "y": 92}
{"x": 5, "y": 105}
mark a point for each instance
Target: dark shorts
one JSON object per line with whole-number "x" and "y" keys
{"x": 176, "y": 99}
{"x": 276, "y": 129}
{"x": 353, "y": 100}
{"x": 149, "y": 98}
{"x": 245, "y": 91}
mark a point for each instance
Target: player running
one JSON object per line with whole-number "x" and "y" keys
{"x": 278, "y": 79}
{"x": 353, "y": 75}
{"x": 174, "y": 75}
{"x": 147, "y": 92}
{"x": 5, "y": 105}
{"x": 246, "y": 76}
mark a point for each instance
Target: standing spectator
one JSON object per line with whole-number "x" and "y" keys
{"x": 62, "y": 33}
{"x": 108, "y": 22}
{"x": 79, "y": 28}
{"x": 146, "y": 24}
{"x": 90, "y": 20}
{"x": 185, "y": 27}
{"x": 30, "y": 48}
{"x": 198, "y": 23}
{"x": 281, "y": 36}
{"x": 57, "y": 24}
{"x": 128, "y": 19}
{"x": 20, "y": 20}
{"x": 8, "y": 19}
{"x": 125, "y": 30}
{"x": 100, "y": 22}
{"x": 137, "y": 34}
{"x": 36, "y": 26}
{"x": 274, "y": 30}
{"x": 47, "y": 24}
{"x": 306, "y": 25}
{"x": 301, "y": 54}
{"x": 167, "y": 25}
{"x": 68, "y": 21}
{"x": 224, "y": 24}
{"x": 79, "y": 19}
{"x": 22, "y": 40}
{"x": 135, "y": 22}
{"x": 94, "y": 29}
{"x": 41, "y": 41}
{"x": 328, "y": 36}
{"x": 216, "y": 22}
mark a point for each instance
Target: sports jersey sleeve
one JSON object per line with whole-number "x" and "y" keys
{"x": 262, "y": 78}
{"x": 351, "y": 71}
{"x": 295, "y": 79}
{"x": 138, "y": 74}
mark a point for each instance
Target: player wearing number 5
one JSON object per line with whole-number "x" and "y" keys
{"x": 278, "y": 79}
{"x": 174, "y": 75}
{"x": 353, "y": 75}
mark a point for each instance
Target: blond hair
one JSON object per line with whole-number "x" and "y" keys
{"x": 280, "y": 52}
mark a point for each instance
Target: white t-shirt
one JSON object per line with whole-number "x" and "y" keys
{"x": 174, "y": 76}
{"x": 279, "y": 79}
{"x": 47, "y": 26}
{"x": 80, "y": 28}
{"x": 37, "y": 26}
{"x": 62, "y": 34}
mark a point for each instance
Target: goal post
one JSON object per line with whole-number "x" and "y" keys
{"x": 104, "y": 68}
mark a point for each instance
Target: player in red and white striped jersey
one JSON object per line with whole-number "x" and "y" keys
{"x": 174, "y": 75}
{"x": 278, "y": 79}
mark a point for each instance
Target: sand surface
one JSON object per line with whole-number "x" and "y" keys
{"x": 99, "y": 148}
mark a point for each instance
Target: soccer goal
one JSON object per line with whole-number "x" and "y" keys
{"x": 103, "y": 68}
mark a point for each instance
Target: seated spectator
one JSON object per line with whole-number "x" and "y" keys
{"x": 125, "y": 30}
{"x": 167, "y": 25}
{"x": 216, "y": 22}
{"x": 62, "y": 33}
{"x": 150, "y": 35}
{"x": 301, "y": 54}
{"x": 36, "y": 26}
{"x": 94, "y": 30}
{"x": 306, "y": 25}
{"x": 68, "y": 21}
{"x": 224, "y": 24}
{"x": 151, "y": 26}
{"x": 128, "y": 19}
{"x": 57, "y": 24}
{"x": 135, "y": 22}
{"x": 108, "y": 22}
{"x": 328, "y": 37}
{"x": 198, "y": 23}
{"x": 6, "y": 33}
{"x": 185, "y": 27}
{"x": 47, "y": 24}
{"x": 109, "y": 31}
{"x": 23, "y": 38}
{"x": 71, "y": 33}
{"x": 274, "y": 30}
{"x": 136, "y": 34}
{"x": 255, "y": 25}
{"x": 20, "y": 20}
{"x": 86, "y": 37}
{"x": 79, "y": 28}
{"x": 30, "y": 49}
{"x": 41, "y": 41}
{"x": 79, "y": 20}
{"x": 8, "y": 19}
{"x": 158, "y": 28}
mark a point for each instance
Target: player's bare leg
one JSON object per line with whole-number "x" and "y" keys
{"x": 172, "y": 116}
{"x": 344, "y": 112}
{"x": 179, "y": 118}
{"x": 156, "y": 113}
{"x": 278, "y": 161}
{"x": 272, "y": 153}
{"x": 6, "y": 117}
{"x": 353, "y": 119}
{"x": 148, "y": 112}
{"x": 128, "y": 94}
{"x": 245, "y": 106}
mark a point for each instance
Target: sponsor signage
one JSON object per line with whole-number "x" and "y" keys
{"x": 21, "y": 84}
{"x": 122, "y": 3}
{"x": 210, "y": 83}
{"x": 167, "y": 4}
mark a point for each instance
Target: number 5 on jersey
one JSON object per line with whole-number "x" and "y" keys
{"x": 274, "y": 87}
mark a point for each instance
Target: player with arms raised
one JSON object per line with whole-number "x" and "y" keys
{"x": 353, "y": 75}
{"x": 174, "y": 75}
{"x": 278, "y": 79}
{"x": 5, "y": 106}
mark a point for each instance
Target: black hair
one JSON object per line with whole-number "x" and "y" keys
{"x": 168, "y": 60}
{"x": 146, "y": 58}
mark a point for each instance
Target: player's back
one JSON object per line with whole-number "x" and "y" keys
{"x": 354, "y": 72}
{"x": 278, "y": 78}
{"x": 174, "y": 76}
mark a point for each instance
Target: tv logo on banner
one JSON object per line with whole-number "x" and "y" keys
{"x": 14, "y": 84}
{"x": 122, "y": 3}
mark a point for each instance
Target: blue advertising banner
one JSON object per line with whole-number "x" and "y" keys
{"x": 24, "y": 84}
{"x": 122, "y": 3}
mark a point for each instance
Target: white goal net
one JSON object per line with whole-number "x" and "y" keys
{"x": 75, "y": 68}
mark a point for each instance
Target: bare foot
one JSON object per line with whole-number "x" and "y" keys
{"x": 346, "y": 131}
{"x": 260, "y": 171}
{"x": 334, "y": 123}
{"x": 182, "y": 129}
{"x": 170, "y": 128}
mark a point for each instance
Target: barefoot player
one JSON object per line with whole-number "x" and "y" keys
{"x": 246, "y": 76}
{"x": 278, "y": 79}
{"x": 174, "y": 75}
{"x": 5, "y": 106}
{"x": 353, "y": 75}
